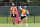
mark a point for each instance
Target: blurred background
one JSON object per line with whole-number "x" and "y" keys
{"x": 24, "y": 2}
{"x": 32, "y": 5}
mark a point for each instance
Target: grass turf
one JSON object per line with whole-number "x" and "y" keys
{"x": 30, "y": 19}
{"x": 18, "y": 25}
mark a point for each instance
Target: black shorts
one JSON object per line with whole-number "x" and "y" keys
{"x": 13, "y": 16}
{"x": 23, "y": 17}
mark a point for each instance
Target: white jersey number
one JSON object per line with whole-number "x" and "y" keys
{"x": 13, "y": 10}
{"x": 24, "y": 11}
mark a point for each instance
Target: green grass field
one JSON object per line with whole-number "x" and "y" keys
{"x": 3, "y": 22}
{"x": 23, "y": 25}
{"x": 30, "y": 19}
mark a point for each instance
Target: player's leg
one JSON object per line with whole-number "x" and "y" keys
{"x": 13, "y": 21}
{"x": 21, "y": 20}
{"x": 14, "y": 18}
{"x": 26, "y": 21}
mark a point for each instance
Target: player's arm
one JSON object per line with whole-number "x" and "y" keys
{"x": 28, "y": 12}
{"x": 20, "y": 7}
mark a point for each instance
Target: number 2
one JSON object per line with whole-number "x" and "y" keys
{"x": 24, "y": 11}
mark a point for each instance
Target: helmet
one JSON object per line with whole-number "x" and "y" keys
{"x": 25, "y": 6}
{"x": 13, "y": 4}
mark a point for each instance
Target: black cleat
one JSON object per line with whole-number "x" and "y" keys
{"x": 13, "y": 23}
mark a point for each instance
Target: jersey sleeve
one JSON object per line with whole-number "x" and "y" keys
{"x": 16, "y": 8}
{"x": 27, "y": 11}
{"x": 11, "y": 8}
{"x": 20, "y": 7}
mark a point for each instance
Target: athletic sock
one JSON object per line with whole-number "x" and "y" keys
{"x": 21, "y": 24}
{"x": 26, "y": 24}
